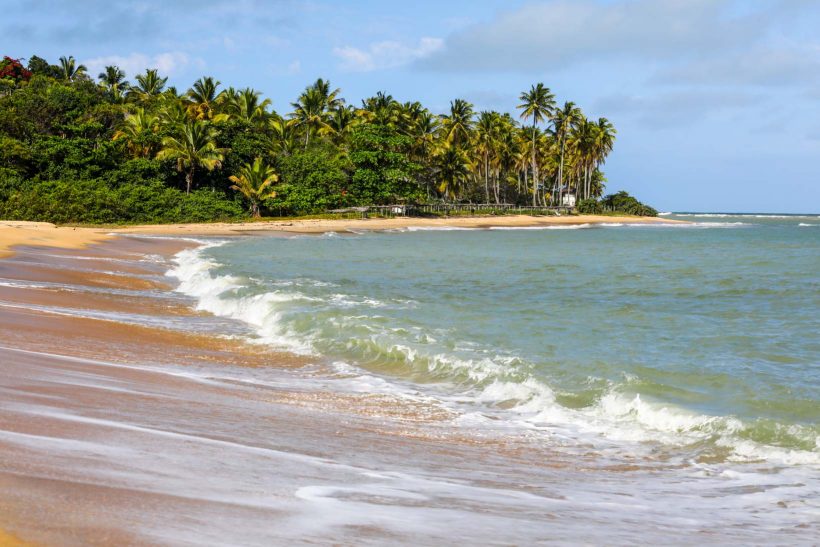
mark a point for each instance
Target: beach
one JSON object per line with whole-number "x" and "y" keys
{"x": 136, "y": 414}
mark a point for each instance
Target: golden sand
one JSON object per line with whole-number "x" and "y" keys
{"x": 8, "y": 540}
{"x": 45, "y": 234}
{"x": 324, "y": 225}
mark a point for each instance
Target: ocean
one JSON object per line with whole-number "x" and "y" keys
{"x": 688, "y": 350}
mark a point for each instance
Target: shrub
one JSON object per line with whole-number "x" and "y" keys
{"x": 95, "y": 202}
{"x": 589, "y": 206}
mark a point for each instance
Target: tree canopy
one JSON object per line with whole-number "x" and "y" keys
{"x": 117, "y": 149}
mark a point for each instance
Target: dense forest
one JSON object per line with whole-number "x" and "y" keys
{"x": 77, "y": 149}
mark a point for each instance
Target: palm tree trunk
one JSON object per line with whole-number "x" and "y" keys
{"x": 486, "y": 176}
{"x": 534, "y": 168}
{"x": 189, "y": 180}
{"x": 561, "y": 175}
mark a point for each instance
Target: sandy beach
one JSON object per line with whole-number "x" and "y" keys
{"x": 69, "y": 237}
{"x": 109, "y": 425}
{"x": 104, "y": 433}
{"x": 130, "y": 417}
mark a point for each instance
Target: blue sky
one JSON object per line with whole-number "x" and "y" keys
{"x": 716, "y": 102}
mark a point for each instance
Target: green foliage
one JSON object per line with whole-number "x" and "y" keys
{"x": 590, "y": 206}
{"x": 40, "y": 67}
{"x": 382, "y": 170}
{"x": 73, "y": 149}
{"x": 95, "y": 202}
{"x": 622, "y": 202}
{"x": 311, "y": 182}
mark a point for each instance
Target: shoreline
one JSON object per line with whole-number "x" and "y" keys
{"x": 45, "y": 234}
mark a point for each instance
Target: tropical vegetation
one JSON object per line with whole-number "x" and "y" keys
{"x": 78, "y": 149}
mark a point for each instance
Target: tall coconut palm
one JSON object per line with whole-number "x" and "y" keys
{"x": 453, "y": 168}
{"x": 340, "y": 121}
{"x": 309, "y": 113}
{"x": 380, "y": 109}
{"x": 538, "y": 103}
{"x": 330, "y": 98}
{"x": 584, "y": 146}
{"x": 148, "y": 85}
{"x": 285, "y": 140}
{"x": 507, "y": 149}
{"x": 458, "y": 124}
{"x": 193, "y": 147}
{"x": 246, "y": 106}
{"x": 563, "y": 120}
{"x": 138, "y": 130}
{"x": 201, "y": 96}
{"x": 113, "y": 81}
{"x": 172, "y": 114}
{"x": 487, "y": 134}
{"x": 423, "y": 129}
{"x": 254, "y": 181}
{"x": 604, "y": 144}
{"x": 70, "y": 70}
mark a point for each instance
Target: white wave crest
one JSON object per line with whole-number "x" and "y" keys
{"x": 553, "y": 227}
{"x": 217, "y": 294}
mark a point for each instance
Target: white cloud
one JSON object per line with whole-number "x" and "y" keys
{"x": 676, "y": 108}
{"x": 167, "y": 63}
{"x": 384, "y": 55}
{"x": 760, "y": 66}
{"x": 552, "y": 35}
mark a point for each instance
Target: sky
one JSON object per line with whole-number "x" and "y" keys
{"x": 716, "y": 102}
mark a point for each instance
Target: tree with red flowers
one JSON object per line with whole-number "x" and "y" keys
{"x": 13, "y": 69}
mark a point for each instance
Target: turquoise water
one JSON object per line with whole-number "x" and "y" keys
{"x": 699, "y": 340}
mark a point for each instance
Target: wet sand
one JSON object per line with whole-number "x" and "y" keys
{"x": 115, "y": 431}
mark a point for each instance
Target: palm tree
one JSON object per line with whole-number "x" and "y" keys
{"x": 453, "y": 168}
{"x": 583, "y": 141}
{"x": 380, "y": 109}
{"x": 254, "y": 182}
{"x": 201, "y": 96}
{"x": 114, "y": 82}
{"x": 148, "y": 85}
{"x": 70, "y": 70}
{"x": 341, "y": 120}
{"x": 507, "y": 149}
{"x": 563, "y": 121}
{"x": 309, "y": 113}
{"x": 138, "y": 130}
{"x": 604, "y": 144}
{"x": 330, "y": 99}
{"x": 538, "y": 103}
{"x": 458, "y": 124}
{"x": 172, "y": 114}
{"x": 193, "y": 147}
{"x": 285, "y": 140}
{"x": 424, "y": 133}
{"x": 487, "y": 130}
{"x": 245, "y": 105}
